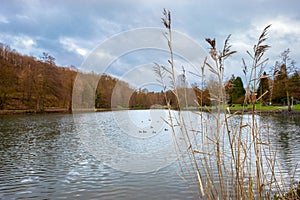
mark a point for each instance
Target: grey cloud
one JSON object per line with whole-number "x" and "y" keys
{"x": 88, "y": 23}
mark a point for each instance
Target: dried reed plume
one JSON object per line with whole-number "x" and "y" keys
{"x": 227, "y": 156}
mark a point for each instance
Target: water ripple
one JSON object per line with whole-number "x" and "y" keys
{"x": 42, "y": 158}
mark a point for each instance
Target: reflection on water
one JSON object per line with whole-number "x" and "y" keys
{"x": 286, "y": 136}
{"x": 42, "y": 157}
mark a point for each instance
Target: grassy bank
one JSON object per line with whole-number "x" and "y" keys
{"x": 28, "y": 111}
{"x": 235, "y": 108}
{"x": 265, "y": 109}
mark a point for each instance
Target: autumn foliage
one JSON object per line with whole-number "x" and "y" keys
{"x": 28, "y": 83}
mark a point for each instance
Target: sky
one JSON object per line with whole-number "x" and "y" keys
{"x": 73, "y": 30}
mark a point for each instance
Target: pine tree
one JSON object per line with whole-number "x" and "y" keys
{"x": 283, "y": 71}
{"x": 294, "y": 86}
{"x": 238, "y": 91}
{"x": 228, "y": 89}
{"x": 264, "y": 89}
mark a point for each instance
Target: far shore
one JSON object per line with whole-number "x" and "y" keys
{"x": 266, "y": 112}
{"x": 233, "y": 110}
{"x": 30, "y": 111}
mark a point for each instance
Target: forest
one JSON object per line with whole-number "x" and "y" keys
{"x": 38, "y": 84}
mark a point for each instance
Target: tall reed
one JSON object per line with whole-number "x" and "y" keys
{"x": 226, "y": 155}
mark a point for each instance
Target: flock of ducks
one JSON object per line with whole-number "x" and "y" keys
{"x": 151, "y": 127}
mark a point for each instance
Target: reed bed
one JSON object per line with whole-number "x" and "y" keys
{"x": 224, "y": 155}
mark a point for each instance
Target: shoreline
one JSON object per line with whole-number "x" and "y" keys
{"x": 266, "y": 112}
{"x": 67, "y": 111}
{"x": 278, "y": 112}
{"x": 32, "y": 112}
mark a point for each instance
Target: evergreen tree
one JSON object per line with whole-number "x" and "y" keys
{"x": 279, "y": 89}
{"x": 238, "y": 91}
{"x": 228, "y": 89}
{"x": 283, "y": 71}
{"x": 294, "y": 85}
{"x": 263, "y": 88}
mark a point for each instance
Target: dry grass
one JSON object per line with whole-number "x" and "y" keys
{"x": 223, "y": 156}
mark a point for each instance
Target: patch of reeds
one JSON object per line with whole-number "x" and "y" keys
{"x": 224, "y": 155}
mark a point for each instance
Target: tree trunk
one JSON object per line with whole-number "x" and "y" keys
{"x": 288, "y": 101}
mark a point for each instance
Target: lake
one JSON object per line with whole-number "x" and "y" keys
{"x": 107, "y": 155}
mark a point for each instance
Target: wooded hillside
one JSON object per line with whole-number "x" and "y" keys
{"x": 28, "y": 83}
{"x": 34, "y": 84}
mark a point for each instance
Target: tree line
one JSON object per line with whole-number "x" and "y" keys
{"x": 281, "y": 86}
{"x": 29, "y": 83}
{"x": 35, "y": 84}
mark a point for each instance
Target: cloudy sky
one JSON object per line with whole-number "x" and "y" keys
{"x": 70, "y": 30}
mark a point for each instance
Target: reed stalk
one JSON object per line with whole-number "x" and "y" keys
{"x": 232, "y": 157}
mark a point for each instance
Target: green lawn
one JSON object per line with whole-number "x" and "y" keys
{"x": 270, "y": 108}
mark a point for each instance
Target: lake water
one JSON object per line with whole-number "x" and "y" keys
{"x": 106, "y": 155}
